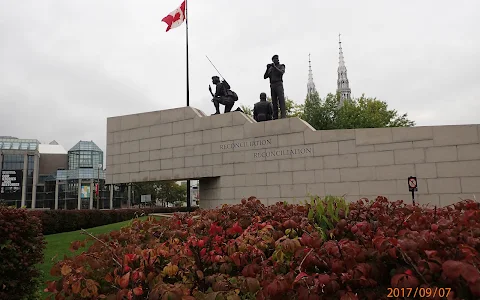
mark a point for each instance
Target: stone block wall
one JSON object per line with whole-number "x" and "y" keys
{"x": 285, "y": 160}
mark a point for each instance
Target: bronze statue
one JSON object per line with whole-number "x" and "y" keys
{"x": 275, "y": 72}
{"x": 223, "y": 95}
{"x": 263, "y": 110}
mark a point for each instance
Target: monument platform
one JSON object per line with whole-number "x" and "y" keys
{"x": 234, "y": 157}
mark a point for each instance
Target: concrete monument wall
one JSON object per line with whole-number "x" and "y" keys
{"x": 233, "y": 156}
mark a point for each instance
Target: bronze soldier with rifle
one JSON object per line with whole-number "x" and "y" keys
{"x": 275, "y": 72}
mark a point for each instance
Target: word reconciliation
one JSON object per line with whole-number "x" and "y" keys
{"x": 266, "y": 152}
{"x": 284, "y": 152}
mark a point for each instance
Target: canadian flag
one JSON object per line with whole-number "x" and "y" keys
{"x": 176, "y": 17}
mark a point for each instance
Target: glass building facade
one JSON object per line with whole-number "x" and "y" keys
{"x": 85, "y": 154}
{"x": 18, "y": 144}
{"x": 17, "y": 157}
{"x": 46, "y": 176}
{"x": 13, "y": 162}
{"x": 85, "y": 171}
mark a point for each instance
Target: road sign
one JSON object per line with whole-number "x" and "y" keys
{"x": 145, "y": 198}
{"x": 412, "y": 187}
{"x": 412, "y": 184}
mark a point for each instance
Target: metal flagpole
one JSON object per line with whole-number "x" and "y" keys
{"x": 188, "y": 90}
{"x": 188, "y": 81}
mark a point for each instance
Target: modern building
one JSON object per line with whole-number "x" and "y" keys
{"x": 19, "y": 164}
{"x": 46, "y": 176}
{"x": 37, "y": 175}
{"x": 80, "y": 185}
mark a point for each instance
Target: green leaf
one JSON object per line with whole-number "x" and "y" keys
{"x": 311, "y": 214}
{"x": 319, "y": 216}
{"x": 335, "y": 216}
{"x": 212, "y": 295}
{"x": 278, "y": 255}
{"x": 4, "y": 245}
{"x": 329, "y": 224}
{"x": 320, "y": 208}
{"x": 232, "y": 280}
{"x": 330, "y": 207}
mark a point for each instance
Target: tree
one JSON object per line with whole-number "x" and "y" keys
{"x": 246, "y": 110}
{"x": 165, "y": 191}
{"x": 171, "y": 192}
{"x": 145, "y": 188}
{"x": 292, "y": 109}
{"x": 357, "y": 113}
{"x": 179, "y": 194}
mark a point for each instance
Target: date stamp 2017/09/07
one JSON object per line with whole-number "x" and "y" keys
{"x": 418, "y": 292}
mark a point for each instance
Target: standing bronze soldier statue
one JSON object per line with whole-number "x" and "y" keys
{"x": 275, "y": 72}
{"x": 263, "y": 110}
{"x": 223, "y": 95}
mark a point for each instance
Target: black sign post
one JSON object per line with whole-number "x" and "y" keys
{"x": 412, "y": 187}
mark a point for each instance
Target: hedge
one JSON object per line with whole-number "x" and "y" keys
{"x": 327, "y": 249}
{"x": 58, "y": 221}
{"x": 21, "y": 247}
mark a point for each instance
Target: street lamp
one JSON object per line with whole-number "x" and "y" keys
{"x": 66, "y": 186}
{"x": 99, "y": 166}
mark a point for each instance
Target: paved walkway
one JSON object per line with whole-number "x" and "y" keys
{"x": 169, "y": 215}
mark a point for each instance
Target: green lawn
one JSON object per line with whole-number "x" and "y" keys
{"x": 58, "y": 245}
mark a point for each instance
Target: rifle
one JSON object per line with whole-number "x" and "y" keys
{"x": 215, "y": 67}
{"x": 224, "y": 82}
{"x": 223, "y": 79}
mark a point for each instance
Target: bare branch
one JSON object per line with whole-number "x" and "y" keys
{"x": 115, "y": 258}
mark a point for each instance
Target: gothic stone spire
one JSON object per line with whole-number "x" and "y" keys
{"x": 310, "y": 85}
{"x": 342, "y": 82}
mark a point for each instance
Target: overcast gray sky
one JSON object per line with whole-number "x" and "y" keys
{"x": 65, "y": 66}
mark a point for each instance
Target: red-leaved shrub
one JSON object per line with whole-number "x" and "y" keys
{"x": 21, "y": 246}
{"x": 250, "y": 251}
{"x": 58, "y": 221}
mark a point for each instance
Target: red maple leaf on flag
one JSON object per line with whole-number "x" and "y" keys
{"x": 176, "y": 17}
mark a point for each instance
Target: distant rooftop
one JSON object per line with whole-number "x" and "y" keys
{"x": 12, "y": 143}
{"x": 86, "y": 146}
{"x": 51, "y": 149}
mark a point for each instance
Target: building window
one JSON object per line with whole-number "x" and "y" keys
{"x": 84, "y": 159}
{"x": 31, "y": 162}
{"x": 12, "y": 162}
{"x": 73, "y": 161}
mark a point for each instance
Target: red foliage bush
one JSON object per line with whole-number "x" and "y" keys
{"x": 21, "y": 246}
{"x": 250, "y": 251}
{"x": 58, "y": 221}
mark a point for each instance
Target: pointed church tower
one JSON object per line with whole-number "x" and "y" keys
{"x": 310, "y": 85}
{"x": 343, "y": 86}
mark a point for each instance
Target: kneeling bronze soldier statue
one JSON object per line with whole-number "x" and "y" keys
{"x": 223, "y": 95}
